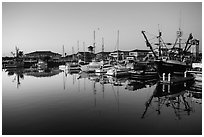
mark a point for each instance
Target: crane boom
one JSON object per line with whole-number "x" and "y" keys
{"x": 149, "y": 45}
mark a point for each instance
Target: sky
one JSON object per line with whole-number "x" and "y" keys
{"x": 35, "y": 26}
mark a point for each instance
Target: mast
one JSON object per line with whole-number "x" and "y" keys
{"x": 94, "y": 42}
{"x": 159, "y": 37}
{"x": 73, "y": 53}
{"x": 84, "y": 50}
{"x": 102, "y": 44}
{"x": 118, "y": 47}
{"x": 78, "y": 50}
{"x": 17, "y": 52}
{"x": 102, "y": 48}
{"x": 179, "y": 35}
{"x": 62, "y": 50}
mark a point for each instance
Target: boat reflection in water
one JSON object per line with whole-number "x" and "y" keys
{"x": 17, "y": 73}
{"x": 20, "y": 72}
{"x": 91, "y": 103}
{"x": 140, "y": 84}
{"x": 176, "y": 96}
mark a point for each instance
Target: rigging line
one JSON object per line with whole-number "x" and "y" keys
{"x": 163, "y": 43}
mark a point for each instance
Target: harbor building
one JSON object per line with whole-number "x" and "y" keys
{"x": 43, "y": 54}
{"x": 140, "y": 55}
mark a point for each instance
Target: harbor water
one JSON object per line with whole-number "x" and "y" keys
{"x": 56, "y": 102}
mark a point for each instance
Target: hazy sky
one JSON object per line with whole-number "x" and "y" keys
{"x": 48, "y": 26}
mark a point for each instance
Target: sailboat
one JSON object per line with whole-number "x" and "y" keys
{"x": 73, "y": 67}
{"x": 118, "y": 70}
{"x": 104, "y": 66}
{"x": 174, "y": 61}
{"x": 92, "y": 66}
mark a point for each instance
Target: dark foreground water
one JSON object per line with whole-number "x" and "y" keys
{"x": 54, "y": 102}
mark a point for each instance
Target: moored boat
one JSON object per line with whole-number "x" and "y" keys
{"x": 103, "y": 68}
{"x": 41, "y": 64}
{"x": 173, "y": 61}
{"x": 91, "y": 67}
{"x": 196, "y": 71}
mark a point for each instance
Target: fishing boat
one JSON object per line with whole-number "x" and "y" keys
{"x": 17, "y": 62}
{"x": 173, "y": 61}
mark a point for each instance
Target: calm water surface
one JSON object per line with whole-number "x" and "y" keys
{"x": 55, "y": 102}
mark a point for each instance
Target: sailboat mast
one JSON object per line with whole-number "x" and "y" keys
{"x": 118, "y": 46}
{"x": 102, "y": 44}
{"x": 62, "y": 50}
{"x": 17, "y": 52}
{"x": 84, "y": 50}
{"x": 94, "y": 43}
{"x": 73, "y": 53}
{"x": 78, "y": 50}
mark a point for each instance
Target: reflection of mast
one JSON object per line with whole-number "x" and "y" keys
{"x": 18, "y": 80}
{"x": 79, "y": 85}
{"x": 117, "y": 100}
{"x": 118, "y": 97}
{"x": 103, "y": 89}
{"x": 148, "y": 102}
{"x": 173, "y": 100}
{"x": 94, "y": 92}
{"x": 63, "y": 75}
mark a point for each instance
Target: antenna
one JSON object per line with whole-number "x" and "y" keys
{"x": 180, "y": 20}
{"x": 180, "y": 33}
{"x": 102, "y": 44}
